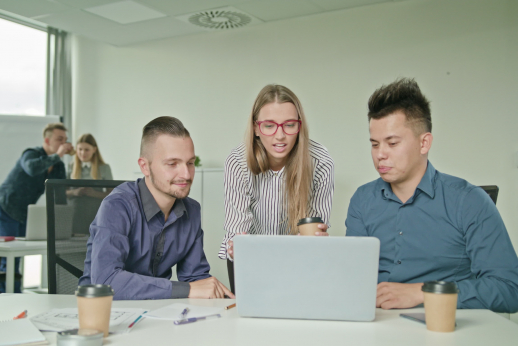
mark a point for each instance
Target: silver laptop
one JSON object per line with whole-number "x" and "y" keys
{"x": 322, "y": 278}
{"x": 37, "y": 223}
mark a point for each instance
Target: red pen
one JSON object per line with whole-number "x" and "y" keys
{"x": 22, "y": 315}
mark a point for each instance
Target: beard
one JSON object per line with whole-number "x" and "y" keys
{"x": 165, "y": 188}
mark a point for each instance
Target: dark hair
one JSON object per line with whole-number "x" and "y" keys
{"x": 49, "y": 129}
{"x": 161, "y": 126}
{"x": 402, "y": 95}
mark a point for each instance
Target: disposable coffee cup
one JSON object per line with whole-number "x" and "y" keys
{"x": 94, "y": 304}
{"x": 309, "y": 225}
{"x": 440, "y": 305}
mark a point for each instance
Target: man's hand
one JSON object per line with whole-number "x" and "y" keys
{"x": 392, "y": 295}
{"x": 64, "y": 148}
{"x": 209, "y": 288}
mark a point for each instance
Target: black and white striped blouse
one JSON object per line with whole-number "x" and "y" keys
{"x": 254, "y": 203}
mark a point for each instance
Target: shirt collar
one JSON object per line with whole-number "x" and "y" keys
{"x": 86, "y": 164}
{"x": 279, "y": 172}
{"x": 151, "y": 207}
{"x": 427, "y": 184}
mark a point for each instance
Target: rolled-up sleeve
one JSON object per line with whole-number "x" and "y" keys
{"x": 321, "y": 198}
{"x": 494, "y": 263}
{"x": 238, "y": 217}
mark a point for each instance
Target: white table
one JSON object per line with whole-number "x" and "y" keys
{"x": 475, "y": 327}
{"x": 20, "y": 248}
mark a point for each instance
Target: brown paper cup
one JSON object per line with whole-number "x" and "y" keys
{"x": 94, "y": 304}
{"x": 309, "y": 229}
{"x": 309, "y": 225}
{"x": 440, "y": 309}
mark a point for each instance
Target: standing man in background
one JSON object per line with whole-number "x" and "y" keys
{"x": 26, "y": 183}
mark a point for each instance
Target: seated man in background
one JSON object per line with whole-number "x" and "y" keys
{"x": 144, "y": 228}
{"x": 26, "y": 183}
{"x": 432, "y": 226}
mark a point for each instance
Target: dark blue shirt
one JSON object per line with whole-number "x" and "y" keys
{"x": 26, "y": 182}
{"x": 448, "y": 230}
{"x": 132, "y": 248}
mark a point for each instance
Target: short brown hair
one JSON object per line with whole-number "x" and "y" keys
{"x": 161, "y": 126}
{"x": 49, "y": 129}
{"x": 402, "y": 95}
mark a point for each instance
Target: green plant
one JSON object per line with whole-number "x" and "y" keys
{"x": 197, "y": 161}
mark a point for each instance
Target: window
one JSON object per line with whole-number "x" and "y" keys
{"x": 23, "y": 69}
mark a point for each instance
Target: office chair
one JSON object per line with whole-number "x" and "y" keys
{"x": 492, "y": 191}
{"x": 68, "y": 223}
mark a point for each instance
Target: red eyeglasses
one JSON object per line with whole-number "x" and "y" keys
{"x": 269, "y": 128}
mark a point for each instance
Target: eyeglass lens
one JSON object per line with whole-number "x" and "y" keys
{"x": 290, "y": 127}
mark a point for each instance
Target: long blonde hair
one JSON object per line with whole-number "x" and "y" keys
{"x": 96, "y": 160}
{"x": 298, "y": 170}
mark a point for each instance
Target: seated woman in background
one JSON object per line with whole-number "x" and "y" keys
{"x": 277, "y": 176}
{"x": 88, "y": 164}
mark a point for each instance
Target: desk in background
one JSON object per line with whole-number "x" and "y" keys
{"x": 20, "y": 248}
{"x": 475, "y": 327}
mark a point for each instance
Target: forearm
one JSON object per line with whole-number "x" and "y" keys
{"x": 496, "y": 294}
{"x": 37, "y": 165}
{"x": 132, "y": 286}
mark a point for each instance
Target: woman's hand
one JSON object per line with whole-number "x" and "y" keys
{"x": 230, "y": 246}
{"x": 323, "y": 232}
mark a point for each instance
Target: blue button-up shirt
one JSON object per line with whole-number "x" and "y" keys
{"x": 448, "y": 230}
{"x": 132, "y": 248}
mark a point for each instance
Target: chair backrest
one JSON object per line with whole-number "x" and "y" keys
{"x": 69, "y": 214}
{"x": 492, "y": 191}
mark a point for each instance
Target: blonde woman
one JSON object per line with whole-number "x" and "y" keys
{"x": 88, "y": 164}
{"x": 278, "y": 175}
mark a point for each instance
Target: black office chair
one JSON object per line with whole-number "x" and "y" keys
{"x": 492, "y": 191}
{"x": 68, "y": 223}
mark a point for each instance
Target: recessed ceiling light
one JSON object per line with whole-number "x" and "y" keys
{"x": 125, "y": 12}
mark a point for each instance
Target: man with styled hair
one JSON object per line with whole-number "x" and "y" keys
{"x": 26, "y": 183}
{"x": 146, "y": 227}
{"x": 432, "y": 226}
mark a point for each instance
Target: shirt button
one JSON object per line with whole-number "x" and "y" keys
{"x": 400, "y": 233}
{"x": 398, "y": 262}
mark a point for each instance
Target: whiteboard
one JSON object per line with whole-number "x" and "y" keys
{"x": 17, "y": 133}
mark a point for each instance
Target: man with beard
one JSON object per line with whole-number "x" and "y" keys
{"x": 144, "y": 228}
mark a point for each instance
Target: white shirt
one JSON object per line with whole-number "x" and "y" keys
{"x": 254, "y": 203}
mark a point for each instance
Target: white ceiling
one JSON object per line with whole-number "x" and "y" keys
{"x": 70, "y": 15}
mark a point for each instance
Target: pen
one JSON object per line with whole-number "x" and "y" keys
{"x": 184, "y": 313}
{"x": 22, "y": 315}
{"x": 133, "y": 323}
{"x": 194, "y": 319}
{"x": 230, "y": 306}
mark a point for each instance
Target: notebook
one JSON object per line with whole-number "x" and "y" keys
{"x": 20, "y": 332}
{"x": 304, "y": 277}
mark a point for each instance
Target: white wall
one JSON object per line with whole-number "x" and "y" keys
{"x": 463, "y": 53}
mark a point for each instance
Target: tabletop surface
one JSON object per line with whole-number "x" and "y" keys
{"x": 474, "y": 327}
{"x": 16, "y": 245}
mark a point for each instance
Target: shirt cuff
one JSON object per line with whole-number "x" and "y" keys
{"x": 180, "y": 289}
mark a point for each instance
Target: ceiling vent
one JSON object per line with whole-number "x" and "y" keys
{"x": 220, "y": 19}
